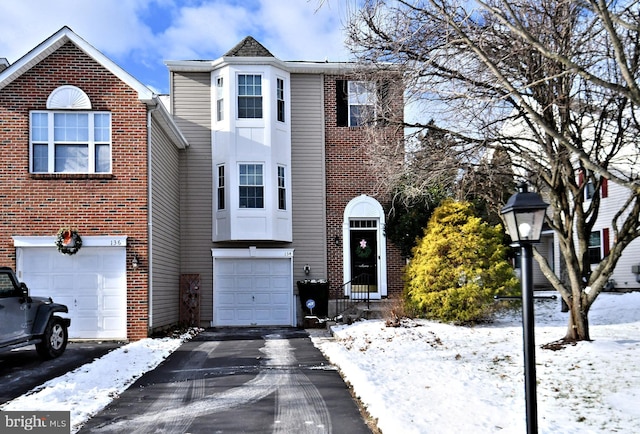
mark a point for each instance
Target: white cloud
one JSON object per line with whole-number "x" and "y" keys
{"x": 140, "y": 34}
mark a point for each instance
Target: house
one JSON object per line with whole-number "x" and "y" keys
{"x": 275, "y": 186}
{"x": 613, "y": 201}
{"x": 626, "y": 275}
{"x": 90, "y": 160}
{"x": 210, "y": 211}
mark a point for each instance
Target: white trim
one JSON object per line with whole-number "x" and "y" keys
{"x": 57, "y": 40}
{"x": 365, "y": 207}
{"x": 252, "y": 252}
{"x": 87, "y": 241}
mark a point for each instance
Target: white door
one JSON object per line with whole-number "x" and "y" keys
{"x": 252, "y": 292}
{"x": 92, "y": 283}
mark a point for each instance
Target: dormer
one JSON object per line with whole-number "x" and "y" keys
{"x": 251, "y": 146}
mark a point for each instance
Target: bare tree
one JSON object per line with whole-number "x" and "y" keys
{"x": 551, "y": 83}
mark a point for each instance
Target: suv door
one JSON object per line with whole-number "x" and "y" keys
{"x": 12, "y": 310}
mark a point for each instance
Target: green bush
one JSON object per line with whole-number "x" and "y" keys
{"x": 458, "y": 267}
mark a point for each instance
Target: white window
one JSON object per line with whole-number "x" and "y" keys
{"x": 361, "y": 100}
{"x": 595, "y": 250}
{"x": 219, "y": 99}
{"x": 68, "y": 137}
{"x": 280, "y": 98}
{"x": 251, "y": 186}
{"x": 282, "y": 188}
{"x": 221, "y": 201}
{"x": 70, "y": 142}
{"x": 249, "y": 96}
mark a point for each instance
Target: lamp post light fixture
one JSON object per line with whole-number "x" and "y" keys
{"x": 524, "y": 215}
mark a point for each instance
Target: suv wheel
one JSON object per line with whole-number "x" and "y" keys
{"x": 54, "y": 339}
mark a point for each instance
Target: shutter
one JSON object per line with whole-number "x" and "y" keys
{"x": 604, "y": 188}
{"x": 342, "y": 103}
{"x": 384, "y": 101}
{"x": 605, "y": 242}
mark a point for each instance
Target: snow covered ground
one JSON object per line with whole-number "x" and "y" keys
{"x": 429, "y": 377}
{"x": 437, "y": 378}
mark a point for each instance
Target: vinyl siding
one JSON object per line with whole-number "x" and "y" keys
{"x": 308, "y": 176}
{"x": 609, "y": 206}
{"x": 165, "y": 229}
{"x": 191, "y": 106}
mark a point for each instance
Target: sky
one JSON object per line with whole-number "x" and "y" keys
{"x": 139, "y": 35}
{"x": 427, "y": 377}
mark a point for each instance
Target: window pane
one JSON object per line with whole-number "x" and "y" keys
{"x": 39, "y": 127}
{"x": 72, "y": 158}
{"x": 249, "y": 107}
{"x": 40, "y": 158}
{"x": 103, "y": 158}
{"x": 71, "y": 127}
{"x": 594, "y": 248}
{"x": 102, "y": 127}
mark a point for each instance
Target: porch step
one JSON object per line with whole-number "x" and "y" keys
{"x": 376, "y": 309}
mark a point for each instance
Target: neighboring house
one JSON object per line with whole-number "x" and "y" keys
{"x": 86, "y": 146}
{"x": 626, "y": 275}
{"x": 275, "y": 187}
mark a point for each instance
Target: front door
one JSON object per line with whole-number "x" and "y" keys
{"x": 364, "y": 260}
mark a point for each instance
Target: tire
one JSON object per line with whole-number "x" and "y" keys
{"x": 54, "y": 339}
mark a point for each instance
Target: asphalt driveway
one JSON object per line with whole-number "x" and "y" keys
{"x": 258, "y": 380}
{"x": 21, "y": 370}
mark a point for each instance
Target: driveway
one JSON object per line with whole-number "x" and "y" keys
{"x": 21, "y": 370}
{"x": 267, "y": 380}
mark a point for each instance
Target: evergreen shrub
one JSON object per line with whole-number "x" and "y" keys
{"x": 458, "y": 267}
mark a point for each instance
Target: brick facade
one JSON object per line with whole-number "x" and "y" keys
{"x": 114, "y": 204}
{"x": 348, "y": 176}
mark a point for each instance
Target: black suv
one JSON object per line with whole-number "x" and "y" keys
{"x": 26, "y": 320}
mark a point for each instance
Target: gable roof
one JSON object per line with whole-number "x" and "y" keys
{"x": 57, "y": 40}
{"x": 248, "y": 47}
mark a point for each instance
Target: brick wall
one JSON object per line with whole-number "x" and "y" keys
{"x": 116, "y": 204}
{"x": 348, "y": 176}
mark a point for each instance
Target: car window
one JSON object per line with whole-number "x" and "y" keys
{"x": 6, "y": 286}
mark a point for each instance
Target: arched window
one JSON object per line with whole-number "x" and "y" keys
{"x": 68, "y": 97}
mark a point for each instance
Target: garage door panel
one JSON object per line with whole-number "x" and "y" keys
{"x": 255, "y": 291}
{"x": 244, "y": 283}
{"x": 87, "y": 262}
{"x": 280, "y": 299}
{"x": 262, "y": 299}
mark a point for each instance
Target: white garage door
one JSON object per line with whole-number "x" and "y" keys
{"x": 92, "y": 283}
{"x": 253, "y": 292}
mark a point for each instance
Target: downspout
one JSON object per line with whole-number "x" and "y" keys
{"x": 150, "y": 218}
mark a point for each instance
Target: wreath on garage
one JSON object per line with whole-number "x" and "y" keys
{"x": 68, "y": 241}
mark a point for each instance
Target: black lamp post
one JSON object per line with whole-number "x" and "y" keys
{"x": 523, "y": 215}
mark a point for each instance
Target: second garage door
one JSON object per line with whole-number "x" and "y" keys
{"x": 253, "y": 292}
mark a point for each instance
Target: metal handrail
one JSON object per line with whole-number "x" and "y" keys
{"x": 362, "y": 292}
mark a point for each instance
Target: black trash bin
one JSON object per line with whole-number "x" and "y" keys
{"x": 318, "y": 291}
